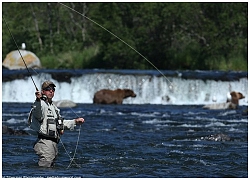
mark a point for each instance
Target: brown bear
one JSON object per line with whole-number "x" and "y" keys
{"x": 235, "y": 96}
{"x": 107, "y": 96}
{"x": 232, "y": 103}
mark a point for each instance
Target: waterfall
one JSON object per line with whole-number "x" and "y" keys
{"x": 177, "y": 88}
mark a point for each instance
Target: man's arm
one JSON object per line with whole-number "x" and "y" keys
{"x": 70, "y": 124}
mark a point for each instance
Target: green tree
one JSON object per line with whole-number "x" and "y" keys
{"x": 169, "y": 35}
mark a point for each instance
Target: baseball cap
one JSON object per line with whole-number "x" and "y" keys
{"x": 47, "y": 83}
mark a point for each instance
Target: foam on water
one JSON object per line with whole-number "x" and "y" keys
{"x": 215, "y": 124}
{"x": 15, "y": 121}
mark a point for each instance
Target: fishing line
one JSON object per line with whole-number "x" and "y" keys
{"x": 120, "y": 40}
{"x": 72, "y": 159}
{"x": 78, "y": 138}
{"x": 20, "y": 53}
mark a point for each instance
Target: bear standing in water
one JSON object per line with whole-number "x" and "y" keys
{"x": 106, "y": 96}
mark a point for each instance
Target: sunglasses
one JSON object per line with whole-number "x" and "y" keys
{"x": 49, "y": 88}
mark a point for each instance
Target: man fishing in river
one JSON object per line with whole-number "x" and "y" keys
{"x": 46, "y": 120}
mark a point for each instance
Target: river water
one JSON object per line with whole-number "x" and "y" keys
{"x": 133, "y": 140}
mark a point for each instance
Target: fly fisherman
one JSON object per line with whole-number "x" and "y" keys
{"x": 46, "y": 120}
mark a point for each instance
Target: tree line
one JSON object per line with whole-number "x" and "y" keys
{"x": 118, "y": 35}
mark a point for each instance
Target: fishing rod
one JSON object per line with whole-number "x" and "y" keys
{"x": 72, "y": 159}
{"x": 20, "y": 54}
{"x": 121, "y": 41}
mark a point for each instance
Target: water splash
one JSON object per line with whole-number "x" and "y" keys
{"x": 151, "y": 88}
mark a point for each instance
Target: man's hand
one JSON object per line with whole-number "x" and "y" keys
{"x": 38, "y": 95}
{"x": 79, "y": 121}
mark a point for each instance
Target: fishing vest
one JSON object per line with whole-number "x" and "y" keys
{"x": 45, "y": 119}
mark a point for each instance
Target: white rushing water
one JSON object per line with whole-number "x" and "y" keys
{"x": 149, "y": 89}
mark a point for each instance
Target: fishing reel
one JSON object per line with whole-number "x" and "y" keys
{"x": 59, "y": 125}
{"x": 44, "y": 97}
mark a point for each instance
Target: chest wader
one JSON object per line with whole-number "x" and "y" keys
{"x": 50, "y": 127}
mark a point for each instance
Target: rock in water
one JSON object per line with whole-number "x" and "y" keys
{"x": 64, "y": 103}
{"x": 10, "y": 131}
{"x": 14, "y": 60}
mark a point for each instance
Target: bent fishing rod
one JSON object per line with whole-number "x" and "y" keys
{"x": 20, "y": 54}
